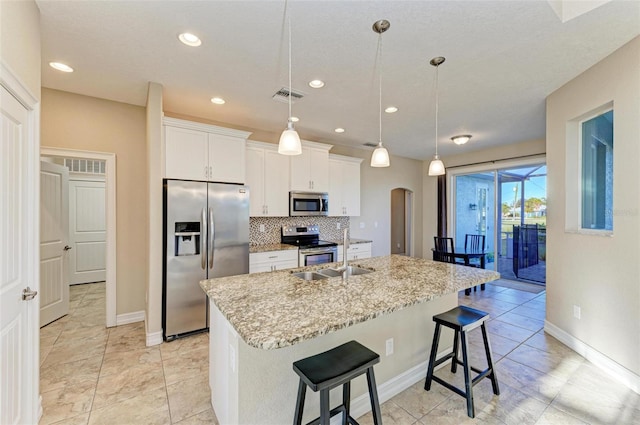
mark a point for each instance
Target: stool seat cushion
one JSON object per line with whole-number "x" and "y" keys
{"x": 343, "y": 359}
{"x": 461, "y": 317}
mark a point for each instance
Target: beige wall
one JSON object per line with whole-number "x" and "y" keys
{"x": 73, "y": 121}
{"x": 599, "y": 274}
{"x": 20, "y": 41}
{"x": 430, "y": 188}
{"x": 155, "y": 160}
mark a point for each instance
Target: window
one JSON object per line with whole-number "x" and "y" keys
{"x": 597, "y": 172}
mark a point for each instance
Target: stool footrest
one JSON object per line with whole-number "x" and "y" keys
{"x": 482, "y": 374}
{"x": 461, "y": 363}
{"x": 449, "y": 386}
{"x": 332, "y": 413}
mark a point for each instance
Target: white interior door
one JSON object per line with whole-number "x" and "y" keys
{"x": 18, "y": 253}
{"x": 54, "y": 231}
{"x": 87, "y": 232}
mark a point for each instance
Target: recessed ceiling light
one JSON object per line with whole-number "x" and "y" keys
{"x": 462, "y": 139}
{"x": 218, "y": 100}
{"x": 190, "y": 39}
{"x": 316, "y": 84}
{"x": 339, "y": 130}
{"x": 391, "y": 110}
{"x": 295, "y": 119}
{"x": 60, "y": 66}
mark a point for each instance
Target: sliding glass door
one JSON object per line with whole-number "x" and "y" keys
{"x": 508, "y": 206}
{"x": 475, "y": 210}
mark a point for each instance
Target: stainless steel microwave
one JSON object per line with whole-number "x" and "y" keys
{"x": 308, "y": 203}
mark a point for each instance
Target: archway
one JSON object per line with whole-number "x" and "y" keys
{"x": 401, "y": 221}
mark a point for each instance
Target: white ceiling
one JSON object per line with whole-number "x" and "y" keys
{"x": 503, "y": 59}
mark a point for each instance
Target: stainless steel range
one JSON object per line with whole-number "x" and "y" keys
{"x": 311, "y": 249}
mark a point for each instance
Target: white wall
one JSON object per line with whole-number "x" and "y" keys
{"x": 599, "y": 274}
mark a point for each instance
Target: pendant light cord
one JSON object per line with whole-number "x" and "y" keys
{"x": 380, "y": 89}
{"x": 289, "y": 117}
{"x": 438, "y": 66}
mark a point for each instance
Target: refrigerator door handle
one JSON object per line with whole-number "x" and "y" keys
{"x": 203, "y": 239}
{"x": 211, "y": 234}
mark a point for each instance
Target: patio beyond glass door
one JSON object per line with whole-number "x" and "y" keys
{"x": 523, "y": 223}
{"x": 508, "y": 207}
{"x": 475, "y": 210}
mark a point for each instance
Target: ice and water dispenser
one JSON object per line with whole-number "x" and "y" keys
{"x": 187, "y": 237}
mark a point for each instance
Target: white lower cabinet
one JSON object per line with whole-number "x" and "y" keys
{"x": 270, "y": 261}
{"x": 356, "y": 251}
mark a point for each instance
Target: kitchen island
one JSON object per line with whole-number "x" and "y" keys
{"x": 261, "y": 323}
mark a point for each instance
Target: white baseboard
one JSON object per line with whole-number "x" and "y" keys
{"x": 126, "y": 318}
{"x": 154, "y": 338}
{"x": 610, "y": 367}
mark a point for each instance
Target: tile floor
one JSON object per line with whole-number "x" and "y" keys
{"x": 93, "y": 375}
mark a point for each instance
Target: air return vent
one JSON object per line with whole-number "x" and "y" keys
{"x": 370, "y": 145}
{"x": 282, "y": 95}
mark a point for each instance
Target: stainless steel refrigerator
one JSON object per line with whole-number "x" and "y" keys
{"x": 206, "y": 235}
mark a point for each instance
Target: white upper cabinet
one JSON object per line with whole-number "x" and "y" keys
{"x": 195, "y": 151}
{"x": 344, "y": 186}
{"x": 268, "y": 180}
{"x": 310, "y": 170}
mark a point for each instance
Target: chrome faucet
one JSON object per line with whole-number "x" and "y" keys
{"x": 345, "y": 247}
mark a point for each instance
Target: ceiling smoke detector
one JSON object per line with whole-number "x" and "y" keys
{"x": 283, "y": 94}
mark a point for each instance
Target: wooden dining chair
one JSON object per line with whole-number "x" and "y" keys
{"x": 443, "y": 250}
{"x": 474, "y": 243}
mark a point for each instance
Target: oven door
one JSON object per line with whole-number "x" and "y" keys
{"x": 311, "y": 257}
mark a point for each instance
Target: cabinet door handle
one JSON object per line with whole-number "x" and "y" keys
{"x": 210, "y": 172}
{"x": 267, "y": 206}
{"x": 206, "y": 172}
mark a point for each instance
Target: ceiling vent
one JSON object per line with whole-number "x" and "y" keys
{"x": 370, "y": 145}
{"x": 283, "y": 94}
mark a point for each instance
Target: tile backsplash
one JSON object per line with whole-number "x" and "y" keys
{"x": 273, "y": 227}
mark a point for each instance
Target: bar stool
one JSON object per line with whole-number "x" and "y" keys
{"x": 330, "y": 369}
{"x": 462, "y": 319}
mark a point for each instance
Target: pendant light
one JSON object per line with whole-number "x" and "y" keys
{"x": 380, "y": 156}
{"x": 289, "y": 140}
{"x": 436, "y": 167}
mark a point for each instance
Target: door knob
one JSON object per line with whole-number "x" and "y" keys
{"x": 67, "y": 248}
{"x": 28, "y": 294}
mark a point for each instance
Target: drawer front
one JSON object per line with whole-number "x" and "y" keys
{"x": 273, "y": 256}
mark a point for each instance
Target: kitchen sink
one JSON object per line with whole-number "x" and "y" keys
{"x": 310, "y": 275}
{"x": 351, "y": 271}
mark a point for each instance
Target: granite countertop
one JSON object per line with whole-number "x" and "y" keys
{"x": 352, "y": 241}
{"x": 276, "y": 309}
{"x": 253, "y": 249}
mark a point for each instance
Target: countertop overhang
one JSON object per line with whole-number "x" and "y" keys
{"x": 276, "y": 309}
